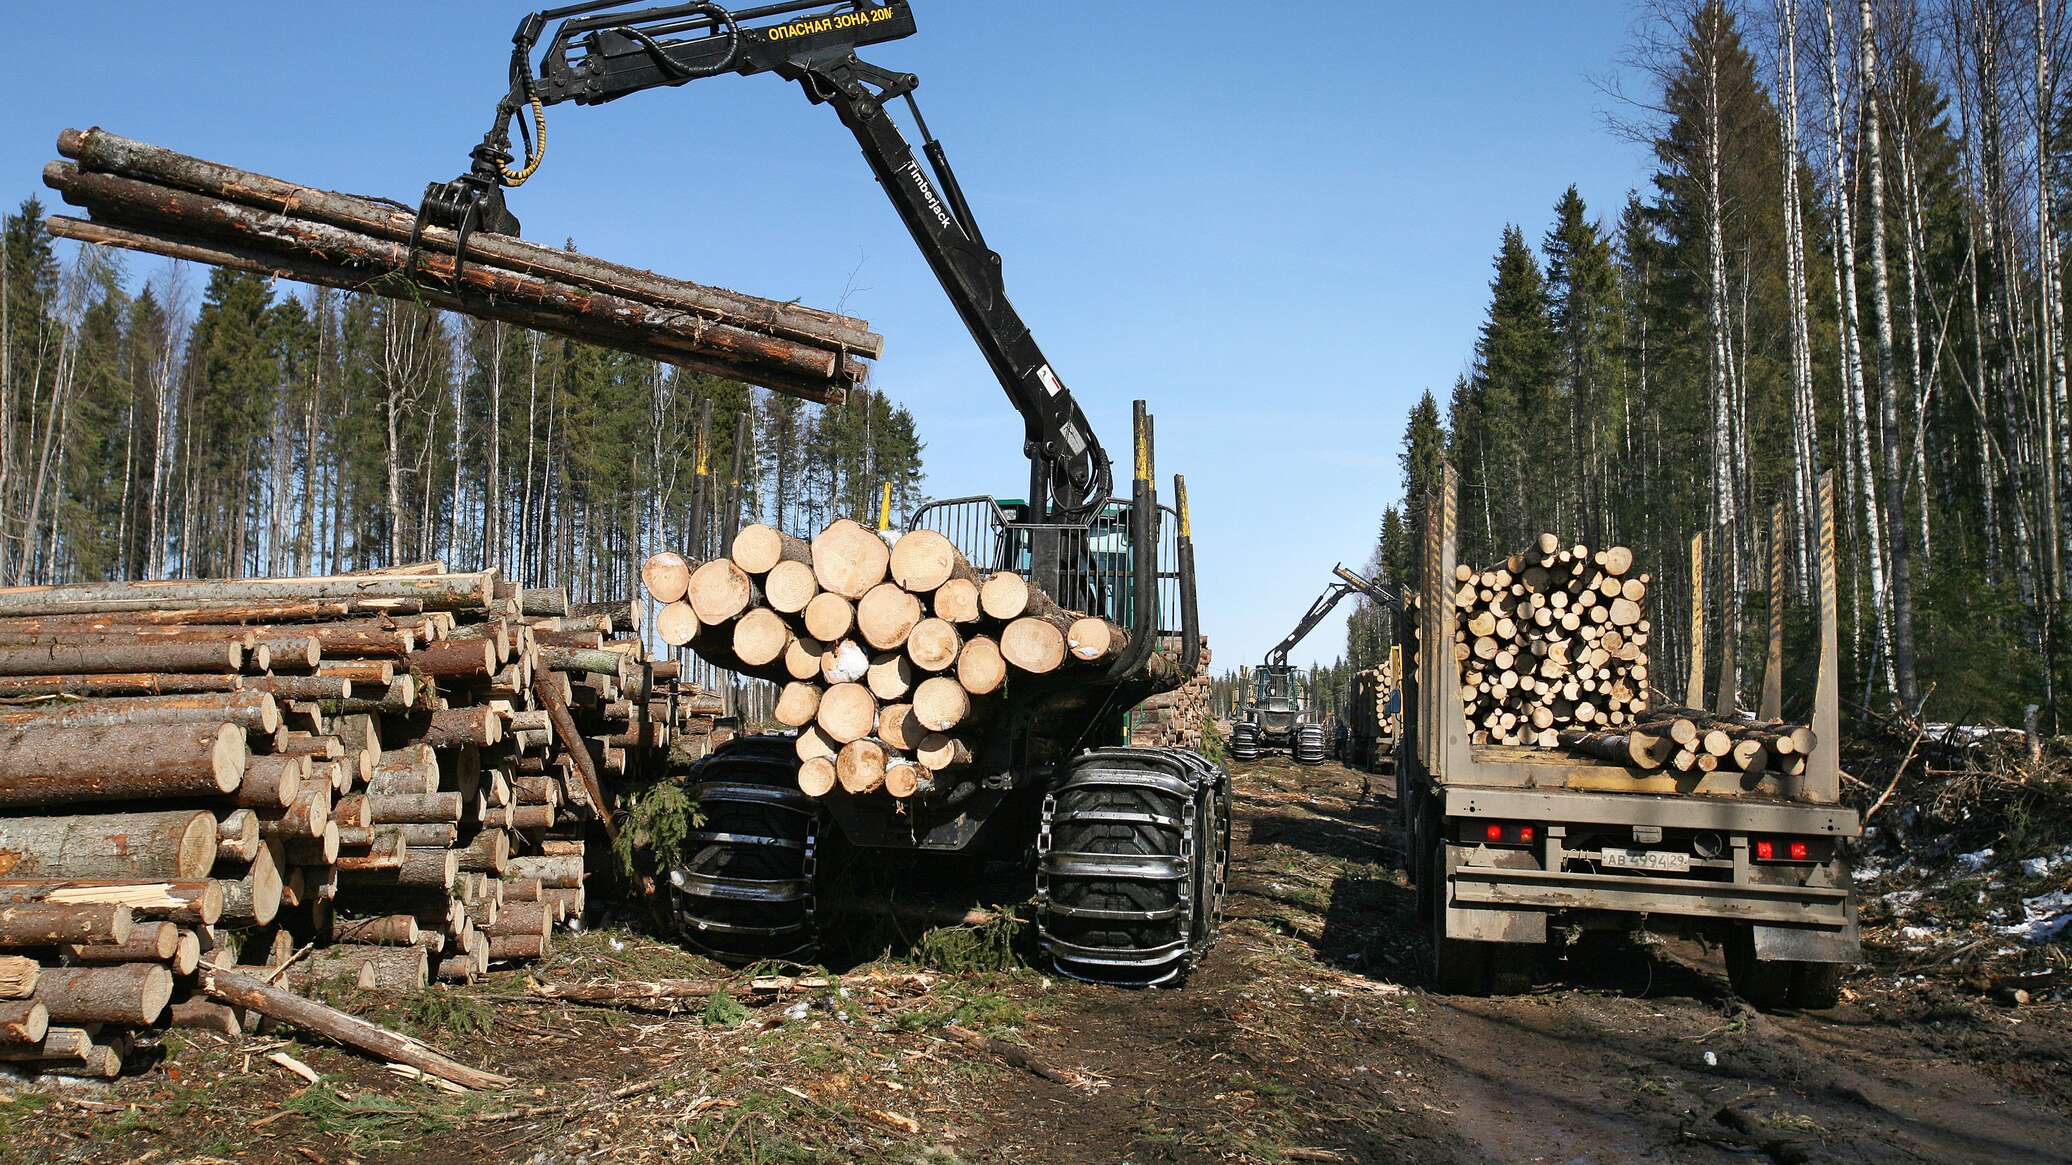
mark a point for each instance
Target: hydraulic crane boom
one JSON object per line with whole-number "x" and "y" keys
{"x": 1325, "y": 604}
{"x": 608, "y": 49}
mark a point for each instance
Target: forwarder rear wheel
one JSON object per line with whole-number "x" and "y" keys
{"x": 1308, "y": 744}
{"x": 1134, "y": 855}
{"x": 1244, "y": 742}
{"x": 744, "y": 892}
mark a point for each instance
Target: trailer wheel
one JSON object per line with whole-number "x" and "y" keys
{"x": 1765, "y": 983}
{"x": 1816, "y": 986}
{"x": 1510, "y": 967}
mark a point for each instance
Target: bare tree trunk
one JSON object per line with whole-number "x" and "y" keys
{"x": 1852, "y": 362}
{"x": 2050, "y": 313}
{"x": 1894, "y": 517}
{"x": 1805, "y": 416}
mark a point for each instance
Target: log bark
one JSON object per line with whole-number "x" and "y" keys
{"x": 253, "y": 711}
{"x": 441, "y": 592}
{"x": 54, "y": 766}
{"x": 98, "y": 659}
{"x": 247, "y": 992}
{"x": 158, "y": 220}
{"x": 189, "y": 903}
{"x": 272, "y": 782}
{"x": 174, "y": 845}
{"x": 45, "y": 924}
{"x": 23, "y": 1021}
{"x": 146, "y": 942}
{"x": 99, "y": 150}
{"x": 132, "y": 994}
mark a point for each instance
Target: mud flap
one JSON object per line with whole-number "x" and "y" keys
{"x": 1487, "y": 924}
{"x": 1797, "y": 944}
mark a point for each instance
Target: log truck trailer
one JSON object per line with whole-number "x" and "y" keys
{"x": 1509, "y": 846}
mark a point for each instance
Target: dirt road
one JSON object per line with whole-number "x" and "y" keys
{"x": 1310, "y": 1036}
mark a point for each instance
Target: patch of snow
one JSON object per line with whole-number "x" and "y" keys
{"x": 1976, "y": 860}
{"x": 2045, "y": 917}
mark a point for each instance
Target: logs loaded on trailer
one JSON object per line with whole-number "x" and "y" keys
{"x": 889, "y": 659}
{"x": 1552, "y": 651}
{"x": 385, "y": 778}
{"x": 150, "y": 199}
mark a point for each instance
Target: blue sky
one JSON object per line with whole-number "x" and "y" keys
{"x": 1274, "y": 222}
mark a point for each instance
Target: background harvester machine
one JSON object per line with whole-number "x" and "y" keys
{"x": 1127, "y": 845}
{"x": 1274, "y": 713}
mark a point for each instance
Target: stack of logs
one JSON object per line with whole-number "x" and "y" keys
{"x": 1174, "y": 719}
{"x": 1369, "y": 705}
{"x": 1685, "y": 740}
{"x": 1551, "y": 641}
{"x": 889, "y": 659}
{"x": 380, "y": 778}
{"x": 150, "y": 199}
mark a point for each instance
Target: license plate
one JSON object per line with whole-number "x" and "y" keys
{"x": 1647, "y": 859}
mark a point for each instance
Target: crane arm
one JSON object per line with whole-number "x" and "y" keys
{"x": 1348, "y": 583}
{"x": 608, "y": 49}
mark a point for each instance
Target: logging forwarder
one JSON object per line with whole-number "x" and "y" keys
{"x": 1128, "y": 845}
{"x": 1274, "y": 715}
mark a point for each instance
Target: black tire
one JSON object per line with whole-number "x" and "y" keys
{"x": 1133, "y": 865}
{"x": 1511, "y": 967}
{"x": 744, "y": 892}
{"x": 1244, "y": 742}
{"x": 1816, "y": 986}
{"x": 1307, "y": 743}
{"x": 1763, "y": 983}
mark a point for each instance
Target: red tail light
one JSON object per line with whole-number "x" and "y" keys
{"x": 1506, "y": 833}
{"x": 1790, "y": 849}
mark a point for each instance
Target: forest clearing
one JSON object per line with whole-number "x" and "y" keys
{"x": 1333, "y": 1046}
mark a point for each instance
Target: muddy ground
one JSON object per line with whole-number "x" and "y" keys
{"x": 1311, "y": 1035}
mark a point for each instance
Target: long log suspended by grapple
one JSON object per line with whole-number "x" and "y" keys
{"x": 145, "y": 198}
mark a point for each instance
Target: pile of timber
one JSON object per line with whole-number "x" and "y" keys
{"x": 146, "y": 198}
{"x": 1369, "y": 713}
{"x": 1551, "y": 641}
{"x": 384, "y": 778}
{"x": 1174, "y": 719}
{"x": 1686, "y": 740}
{"x": 889, "y": 659}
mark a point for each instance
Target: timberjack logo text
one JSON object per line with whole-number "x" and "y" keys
{"x": 935, "y": 206}
{"x": 815, "y": 25}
